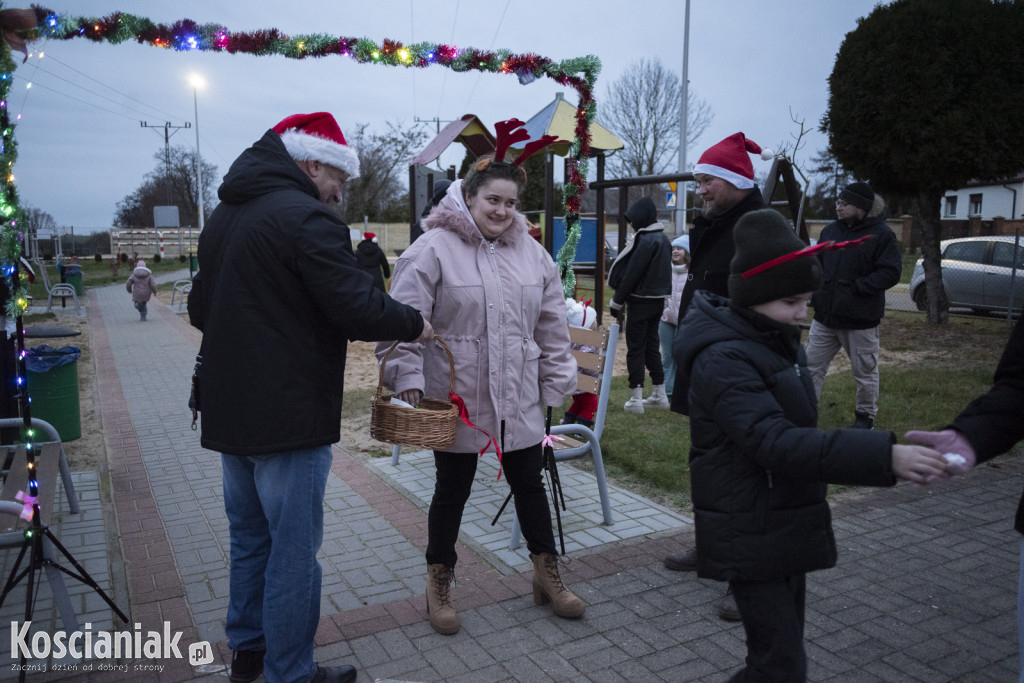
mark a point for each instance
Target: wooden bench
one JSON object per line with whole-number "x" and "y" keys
{"x": 594, "y": 351}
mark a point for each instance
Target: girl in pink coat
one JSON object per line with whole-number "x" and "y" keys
{"x": 494, "y": 295}
{"x": 142, "y": 287}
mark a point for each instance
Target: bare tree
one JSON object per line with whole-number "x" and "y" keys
{"x": 176, "y": 180}
{"x": 383, "y": 159}
{"x": 643, "y": 108}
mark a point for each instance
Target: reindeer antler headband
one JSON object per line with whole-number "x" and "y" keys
{"x": 510, "y": 132}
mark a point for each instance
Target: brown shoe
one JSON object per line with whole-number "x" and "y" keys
{"x": 685, "y": 561}
{"x": 548, "y": 587}
{"x": 727, "y": 608}
{"x": 440, "y": 606}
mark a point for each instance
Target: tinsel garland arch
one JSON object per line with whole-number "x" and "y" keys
{"x": 579, "y": 73}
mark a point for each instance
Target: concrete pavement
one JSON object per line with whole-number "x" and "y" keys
{"x": 925, "y": 588}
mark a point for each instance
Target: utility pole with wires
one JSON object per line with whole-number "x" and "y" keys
{"x": 167, "y": 149}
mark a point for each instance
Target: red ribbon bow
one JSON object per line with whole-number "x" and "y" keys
{"x": 464, "y": 414}
{"x": 820, "y": 246}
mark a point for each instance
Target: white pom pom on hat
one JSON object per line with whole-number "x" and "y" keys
{"x": 729, "y": 159}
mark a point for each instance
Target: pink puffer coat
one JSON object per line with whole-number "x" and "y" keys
{"x": 500, "y": 309}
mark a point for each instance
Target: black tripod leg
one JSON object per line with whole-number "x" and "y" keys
{"x": 82, "y": 575}
{"x": 501, "y": 509}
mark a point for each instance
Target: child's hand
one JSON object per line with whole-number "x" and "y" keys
{"x": 918, "y": 464}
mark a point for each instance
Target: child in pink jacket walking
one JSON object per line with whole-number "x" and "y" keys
{"x": 142, "y": 287}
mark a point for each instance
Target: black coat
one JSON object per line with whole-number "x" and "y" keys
{"x": 279, "y": 295}
{"x": 644, "y": 268}
{"x": 371, "y": 259}
{"x": 711, "y": 250}
{"x": 994, "y": 421}
{"x": 758, "y": 464}
{"x": 854, "y": 280}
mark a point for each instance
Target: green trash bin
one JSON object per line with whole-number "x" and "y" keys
{"x": 193, "y": 263}
{"x": 52, "y": 378}
{"x": 73, "y": 276}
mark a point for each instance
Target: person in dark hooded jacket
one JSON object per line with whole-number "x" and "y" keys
{"x": 277, "y": 296}
{"x": 370, "y": 258}
{"x": 642, "y": 278}
{"x": 759, "y": 467}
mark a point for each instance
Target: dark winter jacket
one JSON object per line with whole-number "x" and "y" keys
{"x": 711, "y": 251}
{"x": 644, "y": 268}
{"x": 279, "y": 294}
{"x": 854, "y": 280}
{"x": 371, "y": 259}
{"x": 994, "y": 422}
{"x": 758, "y": 464}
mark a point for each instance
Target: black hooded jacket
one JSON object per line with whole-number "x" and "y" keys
{"x": 854, "y": 280}
{"x": 758, "y": 464}
{"x": 277, "y": 297}
{"x": 644, "y": 268}
{"x": 371, "y": 259}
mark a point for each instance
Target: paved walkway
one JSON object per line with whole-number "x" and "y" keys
{"x": 924, "y": 591}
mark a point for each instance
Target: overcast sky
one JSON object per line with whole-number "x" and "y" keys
{"x": 82, "y": 149}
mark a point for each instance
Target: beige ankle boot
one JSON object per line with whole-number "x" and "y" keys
{"x": 548, "y": 587}
{"x": 440, "y": 606}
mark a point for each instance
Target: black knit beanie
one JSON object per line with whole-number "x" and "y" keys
{"x": 858, "y": 194}
{"x": 761, "y": 236}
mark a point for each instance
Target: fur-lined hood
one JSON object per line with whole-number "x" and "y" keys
{"x": 453, "y": 215}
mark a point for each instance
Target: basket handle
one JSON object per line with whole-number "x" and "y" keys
{"x": 451, "y": 366}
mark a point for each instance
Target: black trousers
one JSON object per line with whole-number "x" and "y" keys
{"x": 455, "y": 473}
{"x": 642, "y": 318}
{"x": 773, "y": 618}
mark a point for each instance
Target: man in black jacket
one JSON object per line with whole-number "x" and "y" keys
{"x": 277, "y": 297}
{"x": 725, "y": 184}
{"x": 851, "y": 301}
{"x": 642, "y": 277}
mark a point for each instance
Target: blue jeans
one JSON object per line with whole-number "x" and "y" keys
{"x": 275, "y": 510}
{"x": 667, "y": 333}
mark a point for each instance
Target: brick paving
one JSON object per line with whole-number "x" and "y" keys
{"x": 925, "y": 589}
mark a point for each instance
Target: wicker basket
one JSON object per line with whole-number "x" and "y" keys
{"x": 430, "y": 425}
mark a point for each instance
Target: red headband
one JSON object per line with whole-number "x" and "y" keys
{"x": 512, "y": 131}
{"x": 806, "y": 251}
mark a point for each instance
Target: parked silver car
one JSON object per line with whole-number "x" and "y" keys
{"x": 977, "y": 273}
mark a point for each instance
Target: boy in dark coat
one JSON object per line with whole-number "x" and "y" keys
{"x": 642, "y": 277}
{"x": 759, "y": 466}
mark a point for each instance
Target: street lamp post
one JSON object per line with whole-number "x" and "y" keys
{"x": 197, "y": 82}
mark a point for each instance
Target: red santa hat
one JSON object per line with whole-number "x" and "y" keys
{"x": 370, "y": 236}
{"x": 317, "y": 137}
{"x": 728, "y": 160}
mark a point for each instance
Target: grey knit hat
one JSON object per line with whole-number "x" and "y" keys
{"x": 759, "y": 272}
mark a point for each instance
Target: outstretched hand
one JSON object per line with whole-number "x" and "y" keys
{"x": 918, "y": 464}
{"x": 947, "y": 441}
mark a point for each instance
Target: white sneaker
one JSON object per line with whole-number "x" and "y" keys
{"x": 635, "y": 404}
{"x": 657, "y": 399}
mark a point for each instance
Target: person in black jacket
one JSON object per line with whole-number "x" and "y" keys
{"x": 642, "y": 277}
{"x": 725, "y": 183}
{"x": 989, "y": 426}
{"x": 370, "y": 258}
{"x": 277, "y": 296}
{"x": 851, "y": 301}
{"x": 759, "y": 467}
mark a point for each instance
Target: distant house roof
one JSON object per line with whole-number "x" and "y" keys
{"x": 468, "y": 130}
{"x": 559, "y": 119}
